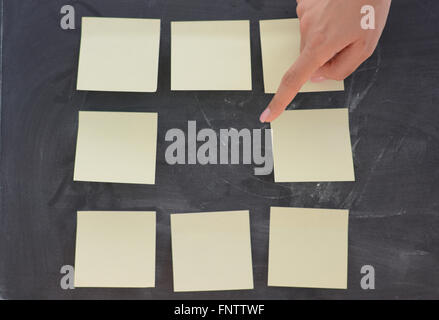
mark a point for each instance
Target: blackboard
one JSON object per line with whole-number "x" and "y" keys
{"x": 393, "y": 100}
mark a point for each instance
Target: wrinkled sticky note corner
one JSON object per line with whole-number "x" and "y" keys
{"x": 211, "y": 251}
{"x": 308, "y": 248}
{"x": 116, "y": 147}
{"x": 115, "y": 249}
{"x": 280, "y": 45}
{"x": 312, "y": 146}
{"x": 119, "y": 54}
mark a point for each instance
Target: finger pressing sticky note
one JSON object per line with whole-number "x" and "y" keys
{"x": 210, "y": 55}
{"x": 119, "y": 54}
{"x": 116, "y": 147}
{"x": 211, "y": 251}
{"x": 308, "y": 248}
{"x": 115, "y": 249}
{"x": 312, "y": 145}
{"x": 280, "y": 45}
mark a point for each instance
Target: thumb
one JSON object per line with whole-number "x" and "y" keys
{"x": 342, "y": 64}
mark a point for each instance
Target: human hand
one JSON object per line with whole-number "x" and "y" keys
{"x": 333, "y": 45}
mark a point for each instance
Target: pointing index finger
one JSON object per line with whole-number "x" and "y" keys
{"x": 296, "y": 76}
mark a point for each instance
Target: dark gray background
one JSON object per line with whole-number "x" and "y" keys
{"x": 394, "y": 119}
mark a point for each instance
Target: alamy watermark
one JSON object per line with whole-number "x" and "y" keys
{"x": 208, "y": 147}
{"x": 368, "y": 280}
{"x": 368, "y": 17}
{"x": 67, "y": 280}
{"x": 68, "y": 19}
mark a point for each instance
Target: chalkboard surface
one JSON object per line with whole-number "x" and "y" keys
{"x": 393, "y": 100}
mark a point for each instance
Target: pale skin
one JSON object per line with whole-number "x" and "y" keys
{"x": 333, "y": 45}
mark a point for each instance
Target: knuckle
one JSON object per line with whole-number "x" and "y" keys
{"x": 314, "y": 53}
{"x": 319, "y": 37}
{"x": 304, "y": 24}
{"x": 338, "y": 75}
{"x": 368, "y": 52}
{"x": 367, "y": 48}
{"x": 289, "y": 78}
{"x": 315, "y": 46}
{"x": 299, "y": 9}
{"x": 313, "y": 43}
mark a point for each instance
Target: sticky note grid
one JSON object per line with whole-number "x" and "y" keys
{"x": 211, "y": 251}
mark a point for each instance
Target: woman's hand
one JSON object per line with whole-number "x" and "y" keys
{"x": 333, "y": 45}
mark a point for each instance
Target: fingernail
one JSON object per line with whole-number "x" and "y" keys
{"x": 318, "y": 79}
{"x": 264, "y": 115}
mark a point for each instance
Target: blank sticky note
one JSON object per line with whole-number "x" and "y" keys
{"x": 312, "y": 145}
{"x": 116, "y": 147}
{"x": 211, "y": 251}
{"x": 210, "y": 55}
{"x": 119, "y": 54}
{"x": 308, "y": 248}
{"x": 115, "y": 249}
{"x": 280, "y": 45}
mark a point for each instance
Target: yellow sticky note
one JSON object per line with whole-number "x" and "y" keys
{"x": 308, "y": 248}
{"x": 280, "y": 45}
{"x": 210, "y": 55}
{"x": 119, "y": 54}
{"x": 211, "y": 251}
{"x": 116, "y": 147}
{"x": 115, "y": 249}
{"x": 312, "y": 145}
